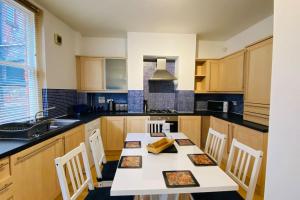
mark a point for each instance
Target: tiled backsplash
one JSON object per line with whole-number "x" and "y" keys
{"x": 201, "y": 101}
{"x": 62, "y": 99}
{"x": 185, "y": 100}
{"x": 160, "y": 94}
{"x": 135, "y": 101}
{"x": 93, "y": 99}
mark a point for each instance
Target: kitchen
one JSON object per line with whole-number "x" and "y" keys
{"x": 114, "y": 71}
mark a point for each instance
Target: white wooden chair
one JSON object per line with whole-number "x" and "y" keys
{"x": 238, "y": 168}
{"x": 154, "y": 126}
{"x": 80, "y": 179}
{"x": 215, "y": 144}
{"x": 106, "y": 175}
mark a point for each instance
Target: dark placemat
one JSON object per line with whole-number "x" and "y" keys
{"x": 184, "y": 142}
{"x": 132, "y": 144}
{"x": 201, "y": 160}
{"x": 170, "y": 149}
{"x": 161, "y": 134}
{"x": 130, "y": 162}
{"x": 180, "y": 178}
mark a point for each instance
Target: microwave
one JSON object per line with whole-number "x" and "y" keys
{"x": 218, "y": 106}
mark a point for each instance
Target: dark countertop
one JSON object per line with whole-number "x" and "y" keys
{"x": 10, "y": 147}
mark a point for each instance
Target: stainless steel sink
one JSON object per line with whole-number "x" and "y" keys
{"x": 57, "y": 123}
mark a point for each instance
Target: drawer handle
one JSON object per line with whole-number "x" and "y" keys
{"x": 3, "y": 165}
{"x": 5, "y": 186}
{"x": 27, "y": 156}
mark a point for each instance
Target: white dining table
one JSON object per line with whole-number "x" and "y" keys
{"x": 149, "y": 179}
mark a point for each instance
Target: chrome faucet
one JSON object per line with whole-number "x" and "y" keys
{"x": 42, "y": 111}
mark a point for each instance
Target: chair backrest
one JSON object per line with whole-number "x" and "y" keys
{"x": 240, "y": 169}
{"x": 76, "y": 173}
{"x": 97, "y": 151}
{"x": 154, "y": 126}
{"x": 215, "y": 145}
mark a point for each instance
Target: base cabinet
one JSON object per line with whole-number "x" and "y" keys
{"x": 113, "y": 132}
{"x": 73, "y": 138}
{"x": 247, "y": 136}
{"x": 34, "y": 172}
{"x": 191, "y": 127}
{"x": 136, "y": 124}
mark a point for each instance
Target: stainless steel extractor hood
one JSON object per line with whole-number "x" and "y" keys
{"x": 161, "y": 73}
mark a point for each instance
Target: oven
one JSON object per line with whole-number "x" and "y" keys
{"x": 171, "y": 122}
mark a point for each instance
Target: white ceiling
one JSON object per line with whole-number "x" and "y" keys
{"x": 210, "y": 19}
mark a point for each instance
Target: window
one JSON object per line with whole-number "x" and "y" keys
{"x": 19, "y": 85}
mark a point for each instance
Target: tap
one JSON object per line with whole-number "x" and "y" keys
{"x": 42, "y": 111}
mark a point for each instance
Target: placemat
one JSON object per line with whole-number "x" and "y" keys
{"x": 181, "y": 178}
{"x": 201, "y": 160}
{"x": 184, "y": 142}
{"x": 160, "y": 134}
{"x": 132, "y": 144}
{"x": 130, "y": 162}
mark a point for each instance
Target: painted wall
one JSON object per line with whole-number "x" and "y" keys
{"x": 283, "y": 175}
{"x": 182, "y": 46}
{"x": 218, "y": 49}
{"x": 106, "y": 47}
{"x": 59, "y": 60}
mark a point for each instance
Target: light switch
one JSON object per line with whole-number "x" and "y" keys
{"x": 101, "y": 99}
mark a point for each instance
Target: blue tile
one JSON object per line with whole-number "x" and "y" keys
{"x": 135, "y": 101}
{"x": 185, "y": 100}
{"x": 239, "y": 98}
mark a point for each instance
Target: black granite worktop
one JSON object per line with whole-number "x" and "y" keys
{"x": 10, "y": 147}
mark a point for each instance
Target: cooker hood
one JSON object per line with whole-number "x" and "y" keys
{"x": 161, "y": 73}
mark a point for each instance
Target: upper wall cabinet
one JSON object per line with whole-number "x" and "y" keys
{"x": 258, "y": 81}
{"x": 96, "y": 74}
{"x": 116, "y": 74}
{"x": 223, "y": 75}
{"x": 90, "y": 74}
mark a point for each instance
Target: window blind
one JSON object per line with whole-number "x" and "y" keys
{"x": 20, "y": 94}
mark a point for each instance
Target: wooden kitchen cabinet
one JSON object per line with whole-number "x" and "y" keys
{"x": 223, "y": 127}
{"x": 258, "y": 141}
{"x": 224, "y": 75}
{"x": 258, "y": 81}
{"x": 6, "y": 182}
{"x": 231, "y": 73}
{"x": 90, "y": 73}
{"x": 34, "y": 172}
{"x": 113, "y": 132}
{"x": 205, "y": 124}
{"x": 73, "y": 138}
{"x": 191, "y": 127}
{"x": 136, "y": 124}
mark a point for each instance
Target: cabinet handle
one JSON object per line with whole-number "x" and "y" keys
{"x": 3, "y": 165}
{"x": 27, "y": 156}
{"x": 5, "y": 186}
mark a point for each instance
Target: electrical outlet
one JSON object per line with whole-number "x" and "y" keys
{"x": 101, "y": 99}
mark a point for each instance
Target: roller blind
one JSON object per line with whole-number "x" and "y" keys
{"x": 20, "y": 95}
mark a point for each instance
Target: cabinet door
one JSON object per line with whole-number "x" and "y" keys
{"x": 7, "y": 189}
{"x": 258, "y": 73}
{"x": 73, "y": 138}
{"x": 223, "y": 127}
{"x": 258, "y": 141}
{"x": 232, "y": 73}
{"x": 136, "y": 124}
{"x": 91, "y": 74}
{"x": 114, "y": 133}
{"x": 214, "y": 76}
{"x": 34, "y": 173}
{"x": 191, "y": 127}
{"x": 205, "y": 124}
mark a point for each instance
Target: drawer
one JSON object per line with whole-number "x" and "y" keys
{"x": 256, "y": 118}
{"x": 6, "y": 189}
{"x": 4, "y": 168}
{"x": 256, "y": 108}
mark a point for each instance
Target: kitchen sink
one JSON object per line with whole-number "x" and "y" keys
{"x": 57, "y": 123}
{"x": 31, "y": 130}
